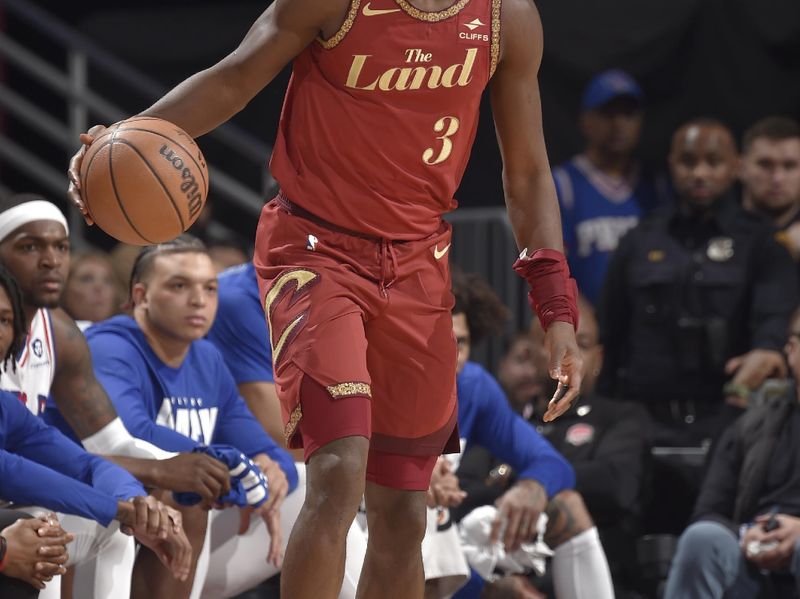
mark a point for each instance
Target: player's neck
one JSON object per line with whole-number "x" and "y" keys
{"x": 613, "y": 165}
{"x": 169, "y": 349}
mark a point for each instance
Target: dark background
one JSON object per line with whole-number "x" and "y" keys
{"x": 737, "y": 60}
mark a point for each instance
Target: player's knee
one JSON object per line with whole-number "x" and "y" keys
{"x": 335, "y": 477}
{"x": 397, "y": 522}
{"x": 568, "y": 517}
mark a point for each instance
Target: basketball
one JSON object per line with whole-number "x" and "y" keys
{"x": 144, "y": 181}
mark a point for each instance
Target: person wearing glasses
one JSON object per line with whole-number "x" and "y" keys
{"x": 746, "y": 530}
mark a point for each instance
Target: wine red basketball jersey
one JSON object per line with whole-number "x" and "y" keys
{"x": 378, "y": 121}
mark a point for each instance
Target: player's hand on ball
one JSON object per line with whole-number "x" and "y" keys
{"x": 518, "y": 513}
{"x": 74, "y": 189}
{"x": 566, "y": 366}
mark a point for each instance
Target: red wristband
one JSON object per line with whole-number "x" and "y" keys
{"x": 554, "y": 294}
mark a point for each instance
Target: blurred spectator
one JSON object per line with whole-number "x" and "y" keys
{"x": 604, "y": 191}
{"x": 226, "y": 254}
{"x": 603, "y": 440}
{"x": 92, "y": 293}
{"x": 746, "y": 535}
{"x": 544, "y": 478}
{"x": 695, "y": 294}
{"x": 771, "y": 176}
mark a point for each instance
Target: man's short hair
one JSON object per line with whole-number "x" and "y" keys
{"x": 180, "y": 245}
{"x": 773, "y": 128}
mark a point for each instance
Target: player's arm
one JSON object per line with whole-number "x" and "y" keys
{"x": 211, "y": 97}
{"x": 529, "y": 189}
{"x": 79, "y": 397}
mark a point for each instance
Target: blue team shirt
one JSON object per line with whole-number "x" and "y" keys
{"x": 176, "y": 409}
{"x": 40, "y": 466}
{"x": 240, "y": 329}
{"x": 485, "y": 418}
{"x": 595, "y": 213}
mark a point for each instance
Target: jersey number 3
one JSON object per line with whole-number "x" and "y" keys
{"x": 447, "y": 126}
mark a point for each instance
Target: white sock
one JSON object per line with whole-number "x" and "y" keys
{"x": 580, "y": 569}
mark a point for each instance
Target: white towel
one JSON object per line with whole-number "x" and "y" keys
{"x": 486, "y": 557}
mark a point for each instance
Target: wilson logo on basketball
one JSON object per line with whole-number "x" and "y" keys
{"x": 189, "y": 185}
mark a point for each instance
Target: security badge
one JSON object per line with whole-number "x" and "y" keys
{"x": 720, "y": 249}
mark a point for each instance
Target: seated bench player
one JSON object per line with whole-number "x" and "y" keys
{"x": 172, "y": 388}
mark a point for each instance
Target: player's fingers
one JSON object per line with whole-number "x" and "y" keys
{"x": 733, "y": 364}
{"x": 275, "y": 539}
{"x": 139, "y": 514}
{"x": 499, "y": 523}
{"x": 511, "y": 536}
{"x": 49, "y": 569}
{"x": 176, "y": 519}
{"x": 153, "y": 518}
{"x": 52, "y": 552}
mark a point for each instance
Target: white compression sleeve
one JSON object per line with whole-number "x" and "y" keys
{"x": 580, "y": 569}
{"x": 114, "y": 439}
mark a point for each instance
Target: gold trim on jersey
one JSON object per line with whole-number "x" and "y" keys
{"x": 294, "y": 419}
{"x": 348, "y": 23}
{"x": 432, "y": 16}
{"x": 349, "y": 390}
{"x": 495, "y": 48}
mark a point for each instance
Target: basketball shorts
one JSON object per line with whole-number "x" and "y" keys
{"x": 362, "y": 340}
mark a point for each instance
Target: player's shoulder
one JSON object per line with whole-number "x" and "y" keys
{"x": 115, "y": 334}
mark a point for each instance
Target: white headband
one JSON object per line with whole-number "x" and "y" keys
{"x": 13, "y": 218}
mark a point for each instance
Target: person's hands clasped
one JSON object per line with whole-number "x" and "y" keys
{"x": 36, "y": 549}
{"x": 160, "y": 528}
{"x": 74, "y": 189}
{"x": 444, "y": 489}
{"x": 518, "y": 513}
{"x": 786, "y": 535}
{"x": 566, "y": 367}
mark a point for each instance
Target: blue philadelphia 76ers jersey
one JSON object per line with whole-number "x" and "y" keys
{"x": 36, "y": 365}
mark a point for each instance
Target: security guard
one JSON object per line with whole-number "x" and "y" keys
{"x": 697, "y": 298}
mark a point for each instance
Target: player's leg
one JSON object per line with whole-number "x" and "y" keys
{"x": 396, "y": 520}
{"x": 108, "y": 574}
{"x": 580, "y": 568}
{"x": 239, "y": 562}
{"x": 315, "y": 556}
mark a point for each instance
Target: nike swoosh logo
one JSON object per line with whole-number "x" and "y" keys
{"x": 374, "y": 12}
{"x": 439, "y": 253}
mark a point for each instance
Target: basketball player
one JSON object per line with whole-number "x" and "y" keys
{"x": 351, "y": 257}
{"x": 241, "y": 336}
{"x": 39, "y": 466}
{"x": 55, "y": 366}
{"x": 172, "y": 387}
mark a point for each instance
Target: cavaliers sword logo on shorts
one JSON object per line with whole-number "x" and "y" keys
{"x": 284, "y": 294}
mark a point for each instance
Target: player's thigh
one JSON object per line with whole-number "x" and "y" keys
{"x": 412, "y": 361}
